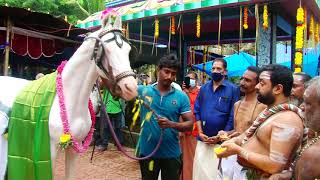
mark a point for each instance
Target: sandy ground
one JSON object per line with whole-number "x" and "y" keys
{"x": 110, "y": 164}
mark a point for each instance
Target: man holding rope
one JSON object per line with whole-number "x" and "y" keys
{"x": 168, "y": 105}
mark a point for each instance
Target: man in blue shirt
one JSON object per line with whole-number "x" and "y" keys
{"x": 169, "y": 104}
{"x": 213, "y": 110}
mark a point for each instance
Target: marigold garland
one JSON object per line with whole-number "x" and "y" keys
{"x": 316, "y": 37}
{"x": 311, "y": 29}
{"x": 299, "y": 40}
{"x": 245, "y": 18}
{"x": 156, "y": 28}
{"x": 124, "y": 28}
{"x": 198, "y": 26}
{"x": 173, "y": 25}
{"x": 265, "y": 17}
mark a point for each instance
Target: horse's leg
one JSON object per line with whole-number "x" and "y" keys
{"x": 70, "y": 159}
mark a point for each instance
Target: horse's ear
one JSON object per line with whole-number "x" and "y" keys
{"x": 106, "y": 21}
{"x": 118, "y": 23}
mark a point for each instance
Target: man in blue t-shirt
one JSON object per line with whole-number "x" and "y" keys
{"x": 169, "y": 104}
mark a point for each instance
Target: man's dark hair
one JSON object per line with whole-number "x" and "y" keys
{"x": 305, "y": 77}
{"x": 255, "y": 70}
{"x": 169, "y": 61}
{"x": 224, "y": 62}
{"x": 194, "y": 73}
{"x": 280, "y": 75}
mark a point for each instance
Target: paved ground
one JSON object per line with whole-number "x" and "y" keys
{"x": 107, "y": 165}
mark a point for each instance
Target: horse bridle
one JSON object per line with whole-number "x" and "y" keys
{"x": 99, "y": 52}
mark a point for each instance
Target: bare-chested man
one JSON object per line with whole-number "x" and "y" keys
{"x": 268, "y": 145}
{"x": 306, "y": 165}
{"x": 247, "y": 109}
{"x": 298, "y": 88}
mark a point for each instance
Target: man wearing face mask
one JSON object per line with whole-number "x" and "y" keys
{"x": 188, "y": 141}
{"x": 213, "y": 110}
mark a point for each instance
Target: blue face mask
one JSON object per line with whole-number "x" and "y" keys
{"x": 217, "y": 76}
{"x": 192, "y": 83}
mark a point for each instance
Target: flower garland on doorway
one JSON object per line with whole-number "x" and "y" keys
{"x": 299, "y": 40}
{"x": 66, "y": 138}
{"x": 265, "y": 18}
{"x": 245, "y": 18}
{"x": 198, "y": 23}
{"x": 173, "y": 25}
{"x": 156, "y": 28}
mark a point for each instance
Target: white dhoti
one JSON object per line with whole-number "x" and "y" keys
{"x": 205, "y": 163}
{"x": 227, "y": 165}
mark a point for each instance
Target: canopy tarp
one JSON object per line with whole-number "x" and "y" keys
{"x": 311, "y": 62}
{"x": 237, "y": 64}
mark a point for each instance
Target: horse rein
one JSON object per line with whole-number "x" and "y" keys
{"x": 113, "y": 134}
{"x": 99, "y": 52}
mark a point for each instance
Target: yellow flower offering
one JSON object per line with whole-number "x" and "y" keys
{"x": 65, "y": 138}
{"x": 219, "y": 150}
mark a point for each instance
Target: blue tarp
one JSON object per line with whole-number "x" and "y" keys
{"x": 310, "y": 59}
{"x": 237, "y": 64}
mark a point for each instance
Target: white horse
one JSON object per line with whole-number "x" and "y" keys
{"x": 78, "y": 78}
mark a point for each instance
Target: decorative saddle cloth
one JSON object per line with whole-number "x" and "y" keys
{"x": 28, "y": 133}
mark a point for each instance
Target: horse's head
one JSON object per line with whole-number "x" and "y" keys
{"x": 111, "y": 55}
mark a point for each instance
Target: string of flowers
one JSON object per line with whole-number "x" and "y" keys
{"x": 311, "y": 27}
{"x": 265, "y": 17}
{"x": 316, "y": 37}
{"x": 156, "y": 28}
{"x": 67, "y": 139}
{"x": 173, "y": 25}
{"x": 124, "y": 28}
{"x": 245, "y": 18}
{"x": 299, "y": 40}
{"x": 198, "y": 22}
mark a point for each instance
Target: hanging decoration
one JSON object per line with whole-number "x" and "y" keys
{"x": 256, "y": 14}
{"x": 241, "y": 31}
{"x": 156, "y": 28}
{"x": 140, "y": 48}
{"x": 316, "y": 37}
{"x": 198, "y": 26}
{"x": 311, "y": 27}
{"x": 245, "y": 18}
{"x": 127, "y": 31}
{"x": 265, "y": 17}
{"x": 173, "y": 25}
{"x": 299, "y": 40}
{"x": 156, "y": 34}
{"x": 305, "y": 32}
{"x": 124, "y": 28}
{"x": 219, "y": 30}
{"x": 204, "y": 59}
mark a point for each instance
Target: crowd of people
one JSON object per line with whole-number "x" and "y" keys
{"x": 266, "y": 127}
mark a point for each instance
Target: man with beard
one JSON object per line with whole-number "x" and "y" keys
{"x": 268, "y": 145}
{"x": 213, "y": 110}
{"x": 246, "y": 111}
{"x": 306, "y": 164}
{"x": 168, "y": 105}
{"x": 299, "y": 81}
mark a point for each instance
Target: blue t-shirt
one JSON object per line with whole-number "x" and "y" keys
{"x": 171, "y": 106}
